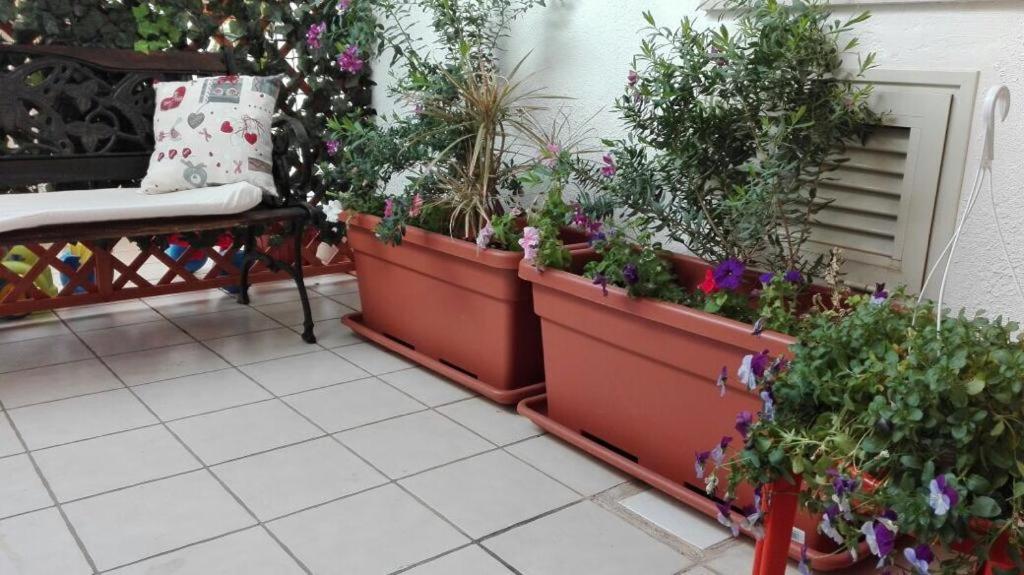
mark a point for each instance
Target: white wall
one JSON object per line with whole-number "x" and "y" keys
{"x": 583, "y": 49}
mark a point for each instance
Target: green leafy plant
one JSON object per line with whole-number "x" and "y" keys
{"x": 461, "y": 149}
{"x": 731, "y": 130}
{"x": 895, "y": 429}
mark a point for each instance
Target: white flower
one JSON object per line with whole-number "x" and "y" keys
{"x": 937, "y": 498}
{"x": 830, "y": 530}
{"x": 333, "y": 210}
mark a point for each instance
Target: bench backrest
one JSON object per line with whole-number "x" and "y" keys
{"x": 84, "y": 115}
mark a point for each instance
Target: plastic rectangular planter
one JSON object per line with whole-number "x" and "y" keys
{"x": 633, "y": 382}
{"x": 455, "y": 309}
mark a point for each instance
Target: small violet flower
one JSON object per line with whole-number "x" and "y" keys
{"x": 631, "y": 274}
{"x": 609, "y": 169}
{"x": 802, "y": 567}
{"x": 920, "y": 558}
{"x": 753, "y": 368}
{"x": 744, "y": 420}
{"x": 632, "y": 78}
{"x": 723, "y": 377}
{"x": 766, "y": 278}
{"x": 483, "y": 237}
{"x": 701, "y": 460}
{"x": 343, "y": 5}
{"x": 602, "y": 280}
{"x": 724, "y": 517}
{"x": 880, "y": 534}
{"x": 758, "y": 327}
{"x": 314, "y": 33}
{"x": 718, "y": 453}
{"x": 880, "y": 294}
{"x": 530, "y": 242}
{"x": 332, "y": 146}
{"x": 827, "y": 526}
{"x": 596, "y": 237}
{"x": 708, "y": 286}
{"x": 389, "y": 207}
{"x": 729, "y": 274}
{"x": 794, "y": 277}
{"x": 349, "y": 60}
{"x": 768, "y": 411}
{"x": 942, "y": 496}
{"x": 417, "y": 206}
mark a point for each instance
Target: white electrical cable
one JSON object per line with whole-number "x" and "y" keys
{"x": 997, "y": 97}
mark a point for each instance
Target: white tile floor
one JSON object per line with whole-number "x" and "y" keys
{"x": 186, "y": 435}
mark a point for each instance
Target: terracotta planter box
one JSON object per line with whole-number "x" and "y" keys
{"x": 455, "y": 309}
{"x": 633, "y": 381}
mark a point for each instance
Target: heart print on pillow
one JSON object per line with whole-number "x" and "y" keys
{"x": 212, "y": 131}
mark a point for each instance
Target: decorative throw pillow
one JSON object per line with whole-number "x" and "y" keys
{"x": 212, "y": 131}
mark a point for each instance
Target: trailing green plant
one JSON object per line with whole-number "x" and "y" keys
{"x": 731, "y": 130}
{"x": 895, "y": 429}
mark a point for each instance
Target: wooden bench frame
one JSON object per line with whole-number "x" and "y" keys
{"x": 91, "y": 126}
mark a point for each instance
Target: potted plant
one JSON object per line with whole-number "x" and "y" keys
{"x": 730, "y": 131}
{"x": 906, "y": 439}
{"x": 438, "y": 262}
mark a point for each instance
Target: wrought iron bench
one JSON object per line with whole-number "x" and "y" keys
{"x": 79, "y": 118}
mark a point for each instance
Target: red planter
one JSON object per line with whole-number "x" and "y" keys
{"x": 633, "y": 382}
{"x": 456, "y": 309}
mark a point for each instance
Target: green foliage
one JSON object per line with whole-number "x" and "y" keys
{"x": 731, "y": 131}
{"x": 871, "y": 392}
{"x": 107, "y": 23}
{"x": 460, "y": 148}
{"x": 636, "y": 263}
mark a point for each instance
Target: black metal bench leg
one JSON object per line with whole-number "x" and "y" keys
{"x": 248, "y": 259}
{"x": 307, "y": 324}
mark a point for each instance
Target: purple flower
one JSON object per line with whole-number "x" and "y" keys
{"x": 530, "y": 243}
{"x": 768, "y": 411}
{"x": 766, "y": 278}
{"x": 601, "y": 280}
{"x": 596, "y": 237}
{"x": 744, "y": 420}
{"x": 723, "y": 377}
{"x": 941, "y": 495}
{"x": 842, "y": 486}
{"x": 729, "y": 274}
{"x": 880, "y": 295}
{"x": 725, "y": 518}
{"x": 332, "y": 146}
{"x": 794, "y": 277}
{"x": 702, "y": 459}
{"x": 753, "y": 368}
{"x": 349, "y": 60}
{"x": 920, "y": 558}
{"x": 802, "y": 567}
{"x": 880, "y": 534}
{"x": 314, "y": 33}
{"x": 609, "y": 169}
{"x": 631, "y": 274}
{"x": 827, "y": 526}
{"x": 483, "y": 238}
{"x": 632, "y": 78}
{"x": 343, "y": 5}
{"x": 389, "y": 207}
{"x": 718, "y": 453}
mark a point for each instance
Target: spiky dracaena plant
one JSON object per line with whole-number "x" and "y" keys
{"x": 459, "y": 149}
{"x": 732, "y": 129}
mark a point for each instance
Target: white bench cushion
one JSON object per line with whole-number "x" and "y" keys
{"x": 24, "y": 211}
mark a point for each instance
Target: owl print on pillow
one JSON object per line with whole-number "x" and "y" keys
{"x": 212, "y": 131}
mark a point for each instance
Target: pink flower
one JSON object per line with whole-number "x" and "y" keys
{"x": 314, "y": 33}
{"x": 417, "y": 205}
{"x": 343, "y": 5}
{"x": 389, "y": 208}
{"x": 530, "y": 243}
{"x": 609, "y": 169}
{"x": 633, "y": 78}
{"x": 349, "y": 60}
{"x": 332, "y": 146}
{"x": 483, "y": 239}
{"x": 550, "y": 154}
